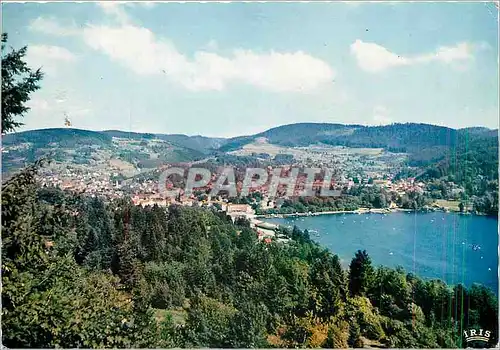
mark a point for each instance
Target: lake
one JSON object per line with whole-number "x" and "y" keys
{"x": 454, "y": 248}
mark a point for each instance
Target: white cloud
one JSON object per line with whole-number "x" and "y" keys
{"x": 462, "y": 51}
{"x": 52, "y": 27}
{"x": 138, "y": 49}
{"x": 374, "y": 58}
{"x": 448, "y": 54}
{"x": 115, "y": 9}
{"x": 49, "y": 58}
{"x": 57, "y": 53}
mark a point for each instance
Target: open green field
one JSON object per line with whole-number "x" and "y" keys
{"x": 451, "y": 205}
{"x": 365, "y": 151}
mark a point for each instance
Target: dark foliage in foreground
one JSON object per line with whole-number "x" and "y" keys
{"x": 18, "y": 82}
{"x": 79, "y": 272}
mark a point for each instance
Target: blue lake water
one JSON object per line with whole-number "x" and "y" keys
{"x": 454, "y": 248}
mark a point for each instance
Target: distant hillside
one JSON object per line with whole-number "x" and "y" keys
{"x": 479, "y": 131}
{"x": 128, "y": 134}
{"x": 474, "y": 154}
{"x": 443, "y": 151}
{"x": 436, "y": 150}
{"x": 395, "y": 136}
{"x": 199, "y": 143}
{"x": 74, "y": 146}
{"x": 300, "y": 134}
{"x": 63, "y": 137}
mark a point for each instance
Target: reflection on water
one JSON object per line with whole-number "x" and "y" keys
{"x": 454, "y": 248}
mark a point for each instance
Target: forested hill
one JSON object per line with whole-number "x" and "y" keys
{"x": 85, "y": 147}
{"x": 199, "y": 143}
{"x": 62, "y": 137}
{"x": 461, "y": 153}
{"x": 409, "y": 137}
{"x": 67, "y": 137}
{"x": 442, "y": 151}
{"x": 79, "y": 272}
{"x": 403, "y": 137}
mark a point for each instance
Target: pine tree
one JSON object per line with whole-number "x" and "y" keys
{"x": 47, "y": 299}
{"x": 18, "y": 82}
{"x": 361, "y": 274}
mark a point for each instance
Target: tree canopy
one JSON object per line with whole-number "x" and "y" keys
{"x": 83, "y": 272}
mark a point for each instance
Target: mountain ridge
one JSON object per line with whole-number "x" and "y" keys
{"x": 397, "y": 135}
{"x": 438, "y": 149}
{"x": 474, "y": 129}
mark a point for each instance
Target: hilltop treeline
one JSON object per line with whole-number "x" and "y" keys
{"x": 438, "y": 151}
{"x": 80, "y": 272}
{"x": 465, "y": 155}
{"x": 398, "y": 137}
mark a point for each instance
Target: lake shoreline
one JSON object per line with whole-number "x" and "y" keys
{"x": 368, "y": 211}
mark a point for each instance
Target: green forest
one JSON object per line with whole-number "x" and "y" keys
{"x": 83, "y": 272}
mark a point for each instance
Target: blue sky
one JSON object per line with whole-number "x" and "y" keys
{"x": 227, "y": 69}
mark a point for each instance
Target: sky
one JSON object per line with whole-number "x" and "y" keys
{"x": 229, "y": 69}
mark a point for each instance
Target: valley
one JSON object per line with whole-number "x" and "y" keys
{"x": 376, "y": 167}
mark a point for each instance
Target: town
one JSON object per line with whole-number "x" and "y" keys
{"x": 260, "y": 201}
